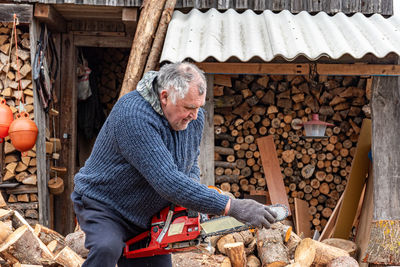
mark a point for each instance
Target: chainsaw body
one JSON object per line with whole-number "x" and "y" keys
{"x": 180, "y": 232}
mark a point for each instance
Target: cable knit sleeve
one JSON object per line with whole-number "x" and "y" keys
{"x": 139, "y": 137}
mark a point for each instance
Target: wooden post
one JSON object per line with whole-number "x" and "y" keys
{"x": 40, "y": 120}
{"x": 156, "y": 49}
{"x": 383, "y": 247}
{"x": 206, "y": 162}
{"x": 64, "y": 212}
{"x": 146, "y": 28}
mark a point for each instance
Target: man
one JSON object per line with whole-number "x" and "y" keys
{"x": 144, "y": 158}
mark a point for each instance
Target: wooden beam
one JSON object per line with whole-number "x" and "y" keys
{"x": 41, "y": 159}
{"x": 253, "y": 68}
{"x": 64, "y": 212}
{"x": 384, "y": 246}
{"x": 355, "y": 182}
{"x": 272, "y": 171}
{"x": 129, "y": 18}
{"x": 47, "y": 14}
{"x": 103, "y": 41}
{"x": 206, "y": 163}
{"x": 299, "y": 69}
{"x": 358, "y": 69}
{"x": 23, "y": 11}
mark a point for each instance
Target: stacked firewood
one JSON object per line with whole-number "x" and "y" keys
{"x": 248, "y": 107}
{"x": 39, "y": 246}
{"x": 111, "y": 76}
{"x": 17, "y": 167}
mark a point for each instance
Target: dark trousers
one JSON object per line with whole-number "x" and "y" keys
{"x": 106, "y": 234}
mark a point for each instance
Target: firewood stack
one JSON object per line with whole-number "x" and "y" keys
{"x": 16, "y": 167}
{"x": 315, "y": 170}
{"x": 111, "y": 75}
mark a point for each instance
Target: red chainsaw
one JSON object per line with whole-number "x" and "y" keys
{"x": 179, "y": 229}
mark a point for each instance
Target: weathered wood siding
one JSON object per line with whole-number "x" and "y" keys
{"x": 384, "y": 7}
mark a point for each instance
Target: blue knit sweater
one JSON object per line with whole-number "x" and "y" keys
{"x": 139, "y": 165}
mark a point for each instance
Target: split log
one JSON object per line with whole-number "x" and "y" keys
{"x": 226, "y": 239}
{"x": 47, "y": 235}
{"x": 24, "y": 246}
{"x": 68, "y": 258}
{"x": 271, "y": 249}
{"x": 236, "y": 254}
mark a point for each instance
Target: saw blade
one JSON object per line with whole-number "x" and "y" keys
{"x": 226, "y": 224}
{"x": 222, "y": 225}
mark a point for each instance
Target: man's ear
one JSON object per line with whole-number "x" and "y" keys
{"x": 163, "y": 97}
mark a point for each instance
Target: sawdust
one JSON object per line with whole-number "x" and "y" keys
{"x": 196, "y": 259}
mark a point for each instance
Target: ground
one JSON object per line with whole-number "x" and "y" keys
{"x": 196, "y": 259}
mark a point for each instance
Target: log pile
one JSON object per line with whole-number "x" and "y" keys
{"x": 111, "y": 75}
{"x": 277, "y": 246}
{"x": 18, "y": 168}
{"x": 315, "y": 170}
{"x": 39, "y": 246}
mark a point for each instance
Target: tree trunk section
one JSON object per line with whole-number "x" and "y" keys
{"x": 158, "y": 42}
{"x": 271, "y": 249}
{"x": 68, "y": 258}
{"x": 147, "y": 25}
{"x": 236, "y": 254}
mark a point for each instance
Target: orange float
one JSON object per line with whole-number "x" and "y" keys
{"x": 6, "y": 117}
{"x": 23, "y": 132}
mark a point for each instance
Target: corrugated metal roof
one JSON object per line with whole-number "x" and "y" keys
{"x": 198, "y": 35}
{"x": 384, "y": 7}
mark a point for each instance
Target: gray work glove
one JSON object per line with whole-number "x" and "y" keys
{"x": 252, "y": 213}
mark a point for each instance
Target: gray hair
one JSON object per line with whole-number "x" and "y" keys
{"x": 176, "y": 78}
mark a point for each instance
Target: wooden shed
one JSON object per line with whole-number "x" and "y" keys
{"x": 292, "y": 80}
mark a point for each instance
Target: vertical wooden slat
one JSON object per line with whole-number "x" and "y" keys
{"x": 206, "y": 159}
{"x": 64, "y": 214}
{"x": 303, "y": 223}
{"x": 386, "y": 147}
{"x": 355, "y": 183}
{"x": 40, "y": 120}
{"x": 272, "y": 171}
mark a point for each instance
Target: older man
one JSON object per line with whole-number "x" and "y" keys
{"x": 144, "y": 158}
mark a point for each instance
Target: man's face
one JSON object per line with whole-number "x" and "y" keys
{"x": 184, "y": 110}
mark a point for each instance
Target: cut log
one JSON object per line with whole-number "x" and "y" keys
{"x": 271, "y": 249}
{"x": 47, "y": 235}
{"x": 344, "y": 244}
{"x": 27, "y": 248}
{"x": 226, "y": 239}
{"x": 236, "y": 254}
{"x": 324, "y": 253}
{"x": 68, "y": 258}
{"x": 344, "y": 261}
{"x": 305, "y": 252}
{"x": 253, "y": 261}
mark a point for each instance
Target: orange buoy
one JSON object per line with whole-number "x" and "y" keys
{"x": 6, "y": 117}
{"x": 23, "y": 132}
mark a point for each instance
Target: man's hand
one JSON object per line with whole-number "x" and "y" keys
{"x": 252, "y": 213}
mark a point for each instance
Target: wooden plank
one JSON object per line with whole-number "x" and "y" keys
{"x": 102, "y": 41}
{"x": 330, "y": 225}
{"x": 64, "y": 218}
{"x": 358, "y": 69}
{"x": 272, "y": 171}
{"x": 385, "y": 152}
{"x": 254, "y": 68}
{"x": 383, "y": 247}
{"x": 355, "y": 182}
{"x": 23, "y": 189}
{"x": 206, "y": 159}
{"x": 129, "y": 18}
{"x": 224, "y": 80}
{"x": 24, "y": 12}
{"x": 40, "y": 120}
{"x": 302, "y": 214}
{"x": 364, "y": 226}
{"x": 47, "y": 14}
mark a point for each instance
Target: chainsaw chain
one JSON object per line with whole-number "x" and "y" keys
{"x": 228, "y": 231}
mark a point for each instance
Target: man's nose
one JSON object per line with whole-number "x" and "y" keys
{"x": 193, "y": 114}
